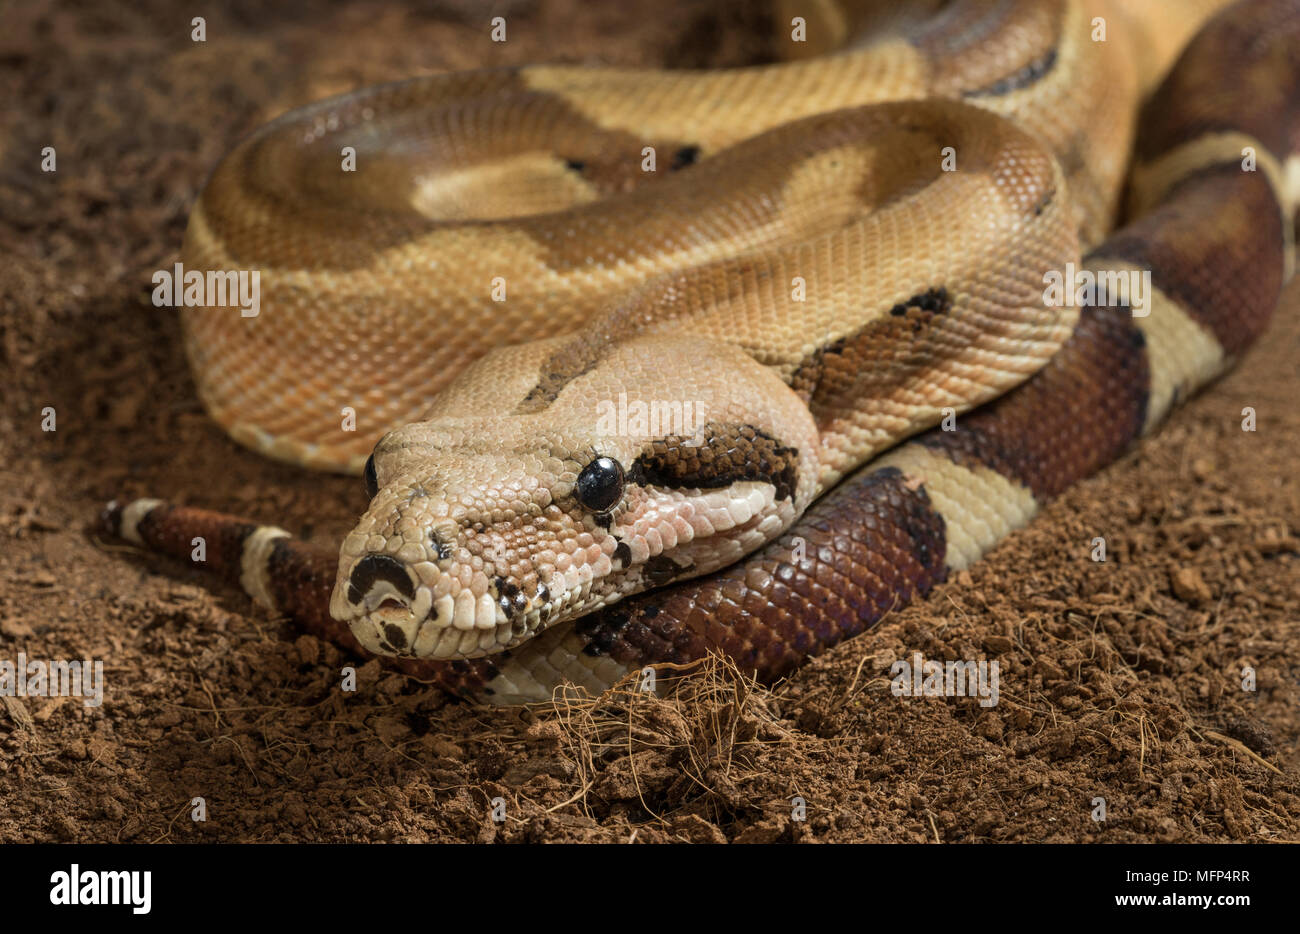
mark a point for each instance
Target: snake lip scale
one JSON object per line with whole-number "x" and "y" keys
{"x": 855, "y": 248}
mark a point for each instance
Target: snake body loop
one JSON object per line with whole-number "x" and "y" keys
{"x": 820, "y": 271}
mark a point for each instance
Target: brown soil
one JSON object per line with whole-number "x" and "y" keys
{"x": 1119, "y": 680}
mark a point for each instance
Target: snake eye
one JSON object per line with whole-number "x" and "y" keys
{"x": 600, "y": 485}
{"x": 372, "y": 478}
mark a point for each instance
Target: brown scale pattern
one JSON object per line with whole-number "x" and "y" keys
{"x": 170, "y": 530}
{"x": 969, "y": 44}
{"x": 1261, "y": 100}
{"x": 1077, "y": 414}
{"x": 851, "y": 559}
{"x": 728, "y": 454}
{"x": 355, "y": 266}
{"x": 265, "y": 185}
{"x": 836, "y": 376}
{"x": 1226, "y": 275}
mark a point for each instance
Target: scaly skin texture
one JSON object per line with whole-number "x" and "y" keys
{"x": 884, "y": 262}
{"x": 945, "y": 498}
{"x": 477, "y": 527}
{"x": 376, "y": 285}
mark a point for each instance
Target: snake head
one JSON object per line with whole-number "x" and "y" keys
{"x": 483, "y": 530}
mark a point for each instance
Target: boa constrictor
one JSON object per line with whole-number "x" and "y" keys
{"x": 817, "y": 267}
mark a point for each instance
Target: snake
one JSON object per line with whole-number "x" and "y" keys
{"x": 823, "y": 279}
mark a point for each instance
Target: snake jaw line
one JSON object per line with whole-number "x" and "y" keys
{"x": 450, "y": 628}
{"x": 460, "y": 608}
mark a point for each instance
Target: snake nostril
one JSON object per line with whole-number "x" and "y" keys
{"x": 373, "y": 569}
{"x": 395, "y": 636}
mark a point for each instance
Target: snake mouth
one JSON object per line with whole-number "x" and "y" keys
{"x": 403, "y": 618}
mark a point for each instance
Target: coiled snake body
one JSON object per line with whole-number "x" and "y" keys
{"x": 815, "y": 269}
